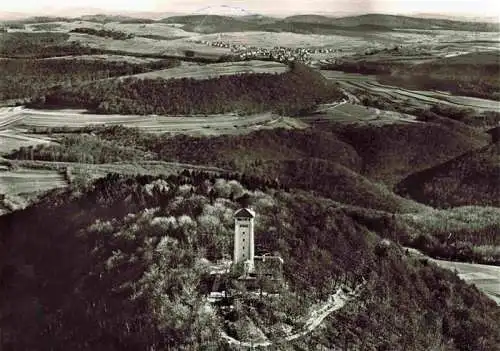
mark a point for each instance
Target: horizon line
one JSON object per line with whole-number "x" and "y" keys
{"x": 91, "y": 11}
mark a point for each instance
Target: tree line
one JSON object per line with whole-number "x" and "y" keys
{"x": 32, "y": 78}
{"x": 105, "y": 33}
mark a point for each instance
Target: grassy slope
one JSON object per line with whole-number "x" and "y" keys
{"x": 470, "y": 179}
{"x": 111, "y": 275}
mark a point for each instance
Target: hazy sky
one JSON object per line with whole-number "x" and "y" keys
{"x": 463, "y": 7}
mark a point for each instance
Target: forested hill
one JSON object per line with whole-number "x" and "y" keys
{"x": 316, "y": 24}
{"x": 122, "y": 268}
{"x": 394, "y": 21}
{"x": 470, "y": 179}
{"x": 297, "y": 91}
{"x": 29, "y": 78}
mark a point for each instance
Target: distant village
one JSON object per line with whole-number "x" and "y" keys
{"x": 277, "y": 53}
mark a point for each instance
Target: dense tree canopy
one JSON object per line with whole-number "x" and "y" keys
{"x": 114, "y": 34}
{"x": 122, "y": 266}
{"x": 30, "y": 78}
{"x": 294, "y": 92}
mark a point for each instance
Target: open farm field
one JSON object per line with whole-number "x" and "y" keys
{"x": 348, "y": 113}
{"x": 437, "y": 37}
{"x": 138, "y": 29}
{"x": 57, "y": 26}
{"x": 485, "y": 277}
{"x": 419, "y": 98}
{"x": 88, "y": 171}
{"x": 13, "y": 139}
{"x": 26, "y": 181}
{"x": 465, "y": 101}
{"x": 10, "y": 116}
{"x": 145, "y": 46}
{"x": 107, "y": 57}
{"x": 286, "y": 39}
{"x": 215, "y": 70}
{"x": 156, "y": 29}
{"x": 436, "y": 97}
{"x": 347, "y": 77}
{"x": 428, "y": 42}
{"x": 193, "y": 125}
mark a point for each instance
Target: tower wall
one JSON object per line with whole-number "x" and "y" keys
{"x": 244, "y": 240}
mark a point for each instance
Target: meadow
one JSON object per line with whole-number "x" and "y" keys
{"x": 12, "y": 139}
{"x": 347, "y": 112}
{"x": 215, "y": 70}
{"x": 48, "y": 121}
{"x": 25, "y": 181}
{"x": 107, "y": 57}
{"x": 138, "y": 29}
{"x": 146, "y": 46}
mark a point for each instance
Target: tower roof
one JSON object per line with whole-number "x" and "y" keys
{"x": 244, "y": 213}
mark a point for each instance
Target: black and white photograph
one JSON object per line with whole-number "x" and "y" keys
{"x": 237, "y": 175}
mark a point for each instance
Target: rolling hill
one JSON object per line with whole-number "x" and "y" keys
{"x": 213, "y": 23}
{"x": 393, "y": 21}
{"x": 392, "y": 152}
{"x": 335, "y": 182}
{"x": 470, "y": 179}
{"x": 314, "y": 24}
{"x": 320, "y": 24}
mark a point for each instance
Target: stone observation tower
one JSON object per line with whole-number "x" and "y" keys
{"x": 244, "y": 238}
{"x": 264, "y": 271}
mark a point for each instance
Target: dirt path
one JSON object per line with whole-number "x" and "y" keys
{"x": 335, "y": 302}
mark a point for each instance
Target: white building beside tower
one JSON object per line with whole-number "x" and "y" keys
{"x": 244, "y": 238}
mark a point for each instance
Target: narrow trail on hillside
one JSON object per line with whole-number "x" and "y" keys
{"x": 335, "y": 302}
